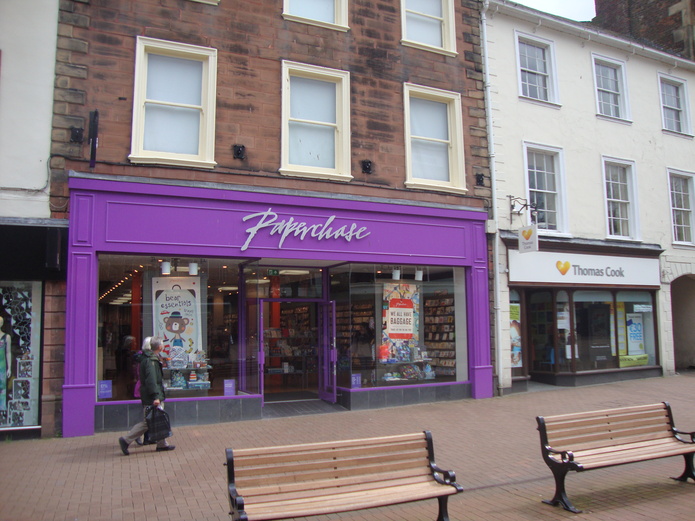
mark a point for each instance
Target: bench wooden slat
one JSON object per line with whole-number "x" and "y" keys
{"x": 325, "y": 477}
{"x": 348, "y": 501}
{"x": 596, "y": 439}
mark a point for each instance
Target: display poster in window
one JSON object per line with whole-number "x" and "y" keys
{"x": 636, "y": 354}
{"x": 401, "y": 322}
{"x": 515, "y": 334}
{"x": 20, "y": 353}
{"x": 177, "y": 319}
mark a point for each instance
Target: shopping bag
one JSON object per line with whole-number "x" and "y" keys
{"x": 158, "y": 426}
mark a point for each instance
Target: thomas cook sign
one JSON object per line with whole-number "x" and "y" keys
{"x": 577, "y": 269}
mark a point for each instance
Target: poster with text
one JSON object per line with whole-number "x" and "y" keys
{"x": 401, "y": 322}
{"x": 515, "y": 334}
{"x": 177, "y": 318}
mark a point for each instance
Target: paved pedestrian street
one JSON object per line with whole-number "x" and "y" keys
{"x": 492, "y": 444}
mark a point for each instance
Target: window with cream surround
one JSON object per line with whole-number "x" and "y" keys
{"x": 675, "y": 109}
{"x": 545, "y": 186}
{"x": 315, "y": 122}
{"x": 429, "y": 25}
{"x": 682, "y": 204}
{"x": 434, "y": 139}
{"x": 611, "y": 88}
{"x": 536, "y": 68}
{"x": 174, "y": 104}
{"x": 332, "y": 14}
{"x": 621, "y": 200}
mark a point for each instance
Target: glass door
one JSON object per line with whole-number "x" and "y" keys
{"x": 327, "y": 352}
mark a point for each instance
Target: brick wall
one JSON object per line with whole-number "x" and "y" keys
{"x": 53, "y": 358}
{"x": 666, "y": 24}
{"x": 95, "y": 71}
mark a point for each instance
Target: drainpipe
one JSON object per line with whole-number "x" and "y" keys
{"x": 493, "y": 189}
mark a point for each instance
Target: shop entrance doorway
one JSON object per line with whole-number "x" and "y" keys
{"x": 297, "y": 350}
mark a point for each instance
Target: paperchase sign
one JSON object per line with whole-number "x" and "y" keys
{"x": 564, "y": 268}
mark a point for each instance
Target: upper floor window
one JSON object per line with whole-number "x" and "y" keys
{"x": 315, "y": 122}
{"x": 682, "y": 206}
{"x": 611, "y": 88}
{"x": 434, "y": 139}
{"x": 429, "y": 25}
{"x": 332, "y": 14}
{"x": 174, "y": 104}
{"x": 675, "y": 111}
{"x": 544, "y": 177}
{"x": 536, "y": 68}
{"x": 621, "y": 200}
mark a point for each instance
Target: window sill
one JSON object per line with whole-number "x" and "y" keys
{"x": 291, "y": 172}
{"x": 158, "y": 160}
{"x": 614, "y": 119}
{"x": 674, "y": 133}
{"x": 418, "y": 185}
{"x": 317, "y": 23}
{"x": 429, "y": 48}
{"x": 544, "y": 103}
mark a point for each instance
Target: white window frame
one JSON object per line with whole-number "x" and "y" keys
{"x": 341, "y": 171}
{"x": 340, "y": 23}
{"x": 682, "y": 86}
{"x": 457, "y": 167}
{"x": 632, "y": 210}
{"x": 551, "y": 74}
{"x": 689, "y": 178}
{"x": 560, "y": 193}
{"x": 623, "y": 95}
{"x": 206, "y": 136}
{"x": 448, "y": 26}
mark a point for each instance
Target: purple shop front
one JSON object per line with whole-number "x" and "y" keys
{"x": 119, "y": 219}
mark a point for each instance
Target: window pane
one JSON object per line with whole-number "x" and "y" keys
{"x": 312, "y": 145}
{"x": 321, "y": 10}
{"x": 429, "y": 119}
{"x": 608, "y": 90}
{"x": 671, "y": 101}
{"x": 542, "y": 186}
{"x": 636, "y": 329}
{"x": 430, "y": 160}
{"x": 171, "y": 129}
{"x": 681, "y": 208}
{"x": 423, "y": 29}
{"x": 617, "y": 194}
{"x": 174, "y": 80}
{"x": 534, "y": 71}
{"x": 312, "y": 100}
{"x": 429, "y": 7}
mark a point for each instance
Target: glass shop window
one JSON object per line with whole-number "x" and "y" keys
{"x": 636, "y": 328}
{"x": 192, "y": 303}
{"x": 399, "y": 325}
{"x": 594, "y": 322}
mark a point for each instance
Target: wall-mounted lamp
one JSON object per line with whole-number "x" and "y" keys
{"x": 239, "y": 151}
{"x": 193, "y": 268}
{"x": 396, "y": 274}
{"x": 418, "y": 274}
{"x": 166, "y": 267}
{"x": 367, "y": 166}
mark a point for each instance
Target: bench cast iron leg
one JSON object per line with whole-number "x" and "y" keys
{"x": 689, "y": 472}
{"x": 560, "y": 495}
{"x": 443, "y": 508}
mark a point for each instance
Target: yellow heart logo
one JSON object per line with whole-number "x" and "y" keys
{"x": 527, "y": 234}
{"x": 563, "y": 267}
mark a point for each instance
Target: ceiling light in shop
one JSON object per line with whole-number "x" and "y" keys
{"x": 228, "y": 288}
{"x": 294, "y": 272}
{"x": 258, "y": 281}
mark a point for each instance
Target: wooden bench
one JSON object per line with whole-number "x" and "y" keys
{"x": 338, "y": 476}
{"x": 598, "y": 439}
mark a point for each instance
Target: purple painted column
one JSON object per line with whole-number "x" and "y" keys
{"x": 478, "y": 296}
{"x": 79, "y": 388}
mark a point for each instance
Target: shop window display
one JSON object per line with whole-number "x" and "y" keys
{"x": 395, "y": 329}
{"x": 20, "y": 353}
{"x": 587, "y": 330}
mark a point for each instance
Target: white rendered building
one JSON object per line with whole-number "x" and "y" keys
{"x": 591, "y": 141}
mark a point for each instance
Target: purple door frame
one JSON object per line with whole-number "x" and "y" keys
{"x": 135, "y": 217}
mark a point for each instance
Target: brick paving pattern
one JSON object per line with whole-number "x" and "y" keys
{"x": 492, "y": 445}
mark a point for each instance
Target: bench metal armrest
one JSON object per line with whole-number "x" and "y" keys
{"x": 679, "y": 433}
{"x": 566, "y": 456}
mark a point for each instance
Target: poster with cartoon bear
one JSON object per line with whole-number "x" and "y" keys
{"x": 177, "y": 319}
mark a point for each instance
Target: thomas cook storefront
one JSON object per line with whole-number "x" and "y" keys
{"x": 579, "y": 319}
{"x": 264, "y": 297}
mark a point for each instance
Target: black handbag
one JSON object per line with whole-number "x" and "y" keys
{"x": 158, "y": 426}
